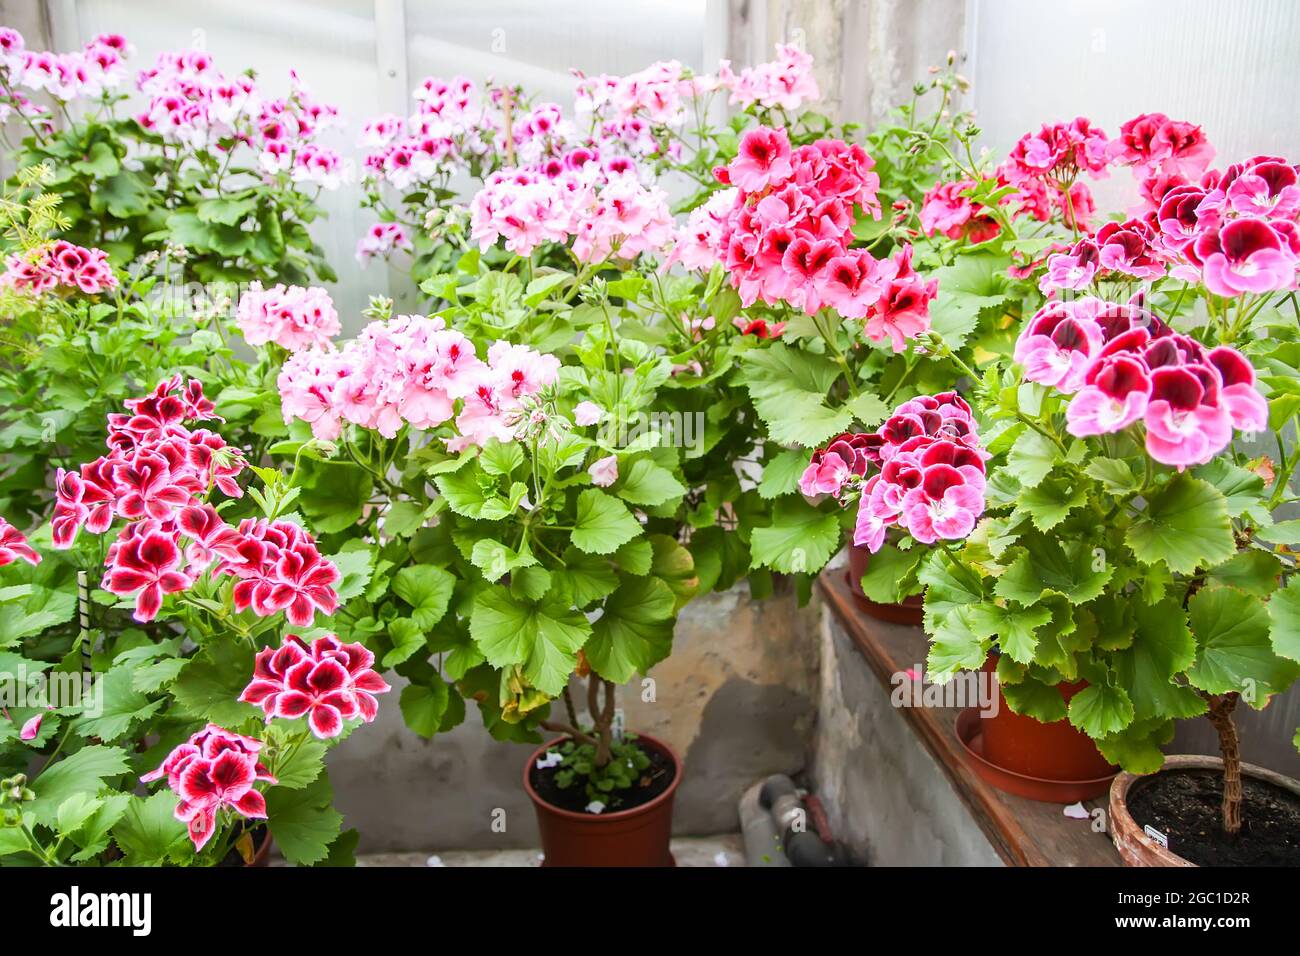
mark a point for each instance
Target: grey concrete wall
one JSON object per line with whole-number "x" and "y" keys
{"x": 868, "y": 53}
{"x": 887, "y": 798}
{"x": 737, "y": 700}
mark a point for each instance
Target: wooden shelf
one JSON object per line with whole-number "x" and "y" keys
{"x": 1023, "y": 832}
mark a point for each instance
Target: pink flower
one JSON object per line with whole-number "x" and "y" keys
{"x": 214, "y": 769}
{"x": 1182, "y": 429}
{"x": 787, "y": 82}
{"x": 293, "y": 317}
{"x": 148, "y": 565}
{"x": 1114, "y": 397}
{"x": 587, "y": 413}
{"x": 14, "y": 546}
{"x": 60, "y": 263}
{"x": 381, "y": 239}
{"x": 1058, "y": 345}
{"x": 604, "y": 472}
{"x": 903, "y": 310}
{"x": 1245, "y": 255}
{"x": 1247, "y": 408}
{"x": 944, "y": 505}
{"x": 947, "y": 210}
{"x": 1155, "y": 143}
{"x": 329, "y": 681}
{"x": 31, "y": 727}
{"x": 763, "y": 157}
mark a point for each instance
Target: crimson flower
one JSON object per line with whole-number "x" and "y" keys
{"x": 148, "y": 566}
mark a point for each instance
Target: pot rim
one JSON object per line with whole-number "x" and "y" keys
{"x": 1117, "y": 802}
{"x": 963, "y": 724}
{"x": 617, "y": 815}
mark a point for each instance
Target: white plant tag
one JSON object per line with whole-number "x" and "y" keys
{"x": 1156, "y": 835}
{"x": 619, "y": 724}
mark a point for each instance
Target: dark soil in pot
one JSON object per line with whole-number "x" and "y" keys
{"x": 1185, "y": 806}
{"x": 655, "y": 779}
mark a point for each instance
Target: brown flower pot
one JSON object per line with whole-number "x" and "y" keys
{"x": 910, "y": 611}
{"x": 635, "y": 837}
{"x": 1134, "y": 846}
{"x": 1054, "y": 763}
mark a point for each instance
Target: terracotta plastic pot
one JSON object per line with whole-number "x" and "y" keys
{"x": 1054, "y": 763}
{"x": 1134, "y": 846}
{"x": 635, "y": 837}
{"x": 910, "y": 611}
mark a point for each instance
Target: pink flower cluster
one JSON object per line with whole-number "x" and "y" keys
{"x": 948, "y": 209}
{"x": 59, "y": 264}
{"x": 95, "y": 69}
{"x": 1059, "y": 152}
{"x": 14, "y": 546}
{"x": 215, "y": 769}
{"x": 785, "y": 83}
{"x": 158, "y": 475}
{"x": 445, "y": 134}
{"x": 293, "y": 317}
{"x": 787, "y": 235}
{"x": 328, "y": 682}
{"x": 1234, "y": 231}
{"x": 634, "y": 110}
{"x": 413, "y": 370}
{"x": 598, "y": 203}
{"x": 191, "y": 102}
{"x": 930, "y": 481}
{"x": 1122, "y": 364}
{"x": 1155, "y": 145}
{"x": 381, "y": 239}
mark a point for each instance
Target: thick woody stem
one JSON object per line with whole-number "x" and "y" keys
{"x": 602, "y": 717}
{"x": 1220, "y": 715}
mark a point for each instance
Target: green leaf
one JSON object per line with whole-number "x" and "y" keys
{"x": 428, "y": 590}
{"x": 336, "y": 496}
{"x": 211, "y": 683}
{"x": 121, "y": 705}
{"x": 1255, "y": 572}
{"x": 404, "y": 518}
{"x": 148, "y": 833}
{"x": 423, "y": 707}
{"x": 1234, "y": 652}
{"x": 304, "y": 821}
{"x": 789, "y": 389}
{"x": 674, "y": 565}
{"x": 305, "y": 763}
{"x": 635, "y": 632}
{"x": 1032, "y": 458}
{"x": 354, "y": 572}
{"x": 93, "y": 834}
{"x": 868, "y": 410}
{"x": 501, "y": 458}
{"x": 1284, "y": 532}
{"x": 1185, "y": 525}
{"x": 1101, "y": 709}
{"x": 1016, "y": 631}
{"x": 543, "y": 637}
{"x": 1048, "y": 504}
{"x": 948, "y": 588}
{"x": 649, "y": 484}
{"x": 1284, "y": 620}
{"x": 781, "y": 474}
{"x": 1115, "y": 476}
{"x": 495, "y": 559}
{"x": 603, "y": 523}
{"x": 966, "y": 288}
{"x": 584, "y": 578}
{"x": 1033, "y": 698}
{"x": 891, "y": 574}
{"x": 955, "y": 647}
{"x": 81, "y": 772}
{"x": 799, "y": 539}
{"x": 28, "y": 609}
{"x": 1162, "y": 647}
{"x": 1242, "y": 489}
{"x": 407, "y": 638}
{"x": 75, "y": 811}
{"x": 1045, "y": 565}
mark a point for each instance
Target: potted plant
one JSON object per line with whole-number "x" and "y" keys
{"x": 151, "y": 672}
{"x": 1127, "y": 554}
{"x": 216, "y": 164}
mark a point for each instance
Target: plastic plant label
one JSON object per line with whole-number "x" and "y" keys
{"x": 1156, "y": 835}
